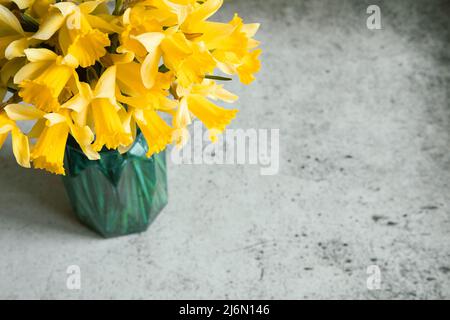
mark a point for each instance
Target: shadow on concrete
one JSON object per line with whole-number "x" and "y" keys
{"x": 34, "y": 197}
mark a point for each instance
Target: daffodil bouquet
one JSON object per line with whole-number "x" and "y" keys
{"x": 100, "y": 72}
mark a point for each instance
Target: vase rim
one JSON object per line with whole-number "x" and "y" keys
{"x": 77, "y": 148}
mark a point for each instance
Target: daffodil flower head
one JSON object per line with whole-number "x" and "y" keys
{"x": 42, "y": 81}
{"x": 106, "y": 114}
{"x": 214, "y": 117}
{"x": 155, "y": 130}
{"x": 48, "y": 153}
{"x": 77, "y": 35}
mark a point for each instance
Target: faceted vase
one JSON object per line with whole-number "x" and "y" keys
{"x": 119, "y": 194}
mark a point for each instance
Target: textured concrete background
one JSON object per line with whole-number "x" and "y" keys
{"x": 364, "y": 178}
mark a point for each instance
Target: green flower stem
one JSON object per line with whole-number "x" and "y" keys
{"x": 118, "y": 8}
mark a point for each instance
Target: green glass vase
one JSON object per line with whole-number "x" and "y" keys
{"x": 119, "y": 194}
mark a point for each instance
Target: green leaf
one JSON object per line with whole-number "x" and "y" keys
{"x": 29, "y": 23}
{"x": 217, "y": 78}
{"x": 118, "y": 8}
{"x": 91, "y": 75}
{"x": 163, "y": 69}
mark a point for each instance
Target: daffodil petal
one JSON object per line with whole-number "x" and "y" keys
{"x": 37, "y": 129}
{"x": 21, "y": 148}
{"x": 126, "y": 57}
{"x": 30, "y": 71}
{"x": 10, "y": 68}
{"x": 226, "y": 68}
{"x": 50, "y": 26}
{"x": 182, "y": 117}
{"x": 54, "y": 118}
{"x": 106, "y": 86}
{"x": 71, "y": 61}
{"x": 80, "y": 101}
{"x": 204, "y": 11}
{"x": 149, "y": 68}
{"x": 6, "y": 125}
{"x": 8, "y": 19}
{"x": 16, "y": 48}
{"x": 23, "y": 4}
{"x": 40, "y": 54}
{"x": 84, "y": 137}
{"x": 99, "y": 23}
{"x": 225, "y": 95}
{"x": 126, "y": 17}
{"x": 66, "y": 8}
{"x": 89, "y": 6}
{"x": 150, "y": 40}
{"x": 18, "y": 112}
{"x": 250, "y": 29}
{"x": 5, "y": 129}
{"x": 180, "y": 10}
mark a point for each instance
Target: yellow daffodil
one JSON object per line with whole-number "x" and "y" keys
{"x": 108, "y": 125}
{"x": 144, "y": 103}
{"x": 196, "y": 101}
{"x": 190, "y": 61}
{"x": 214, "y": 117}
{"x": 249, "y": 66}
{"x": 79, "y": 32}
{"x": 136, "y": 21}
{"x": 156, "y": 131}
{"x": 48, "y": 153}
{"x": 107, "y": 114}
{"x": 43, "y": 80}
{"x": 232, "y": 46}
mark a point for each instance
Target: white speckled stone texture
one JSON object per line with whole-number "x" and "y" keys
{"x": 364, "y": 121}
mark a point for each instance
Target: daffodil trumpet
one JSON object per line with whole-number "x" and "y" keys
{"x": 77, "y": 68}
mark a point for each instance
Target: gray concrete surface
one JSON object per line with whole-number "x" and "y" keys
{"x": 364, "y": 177}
